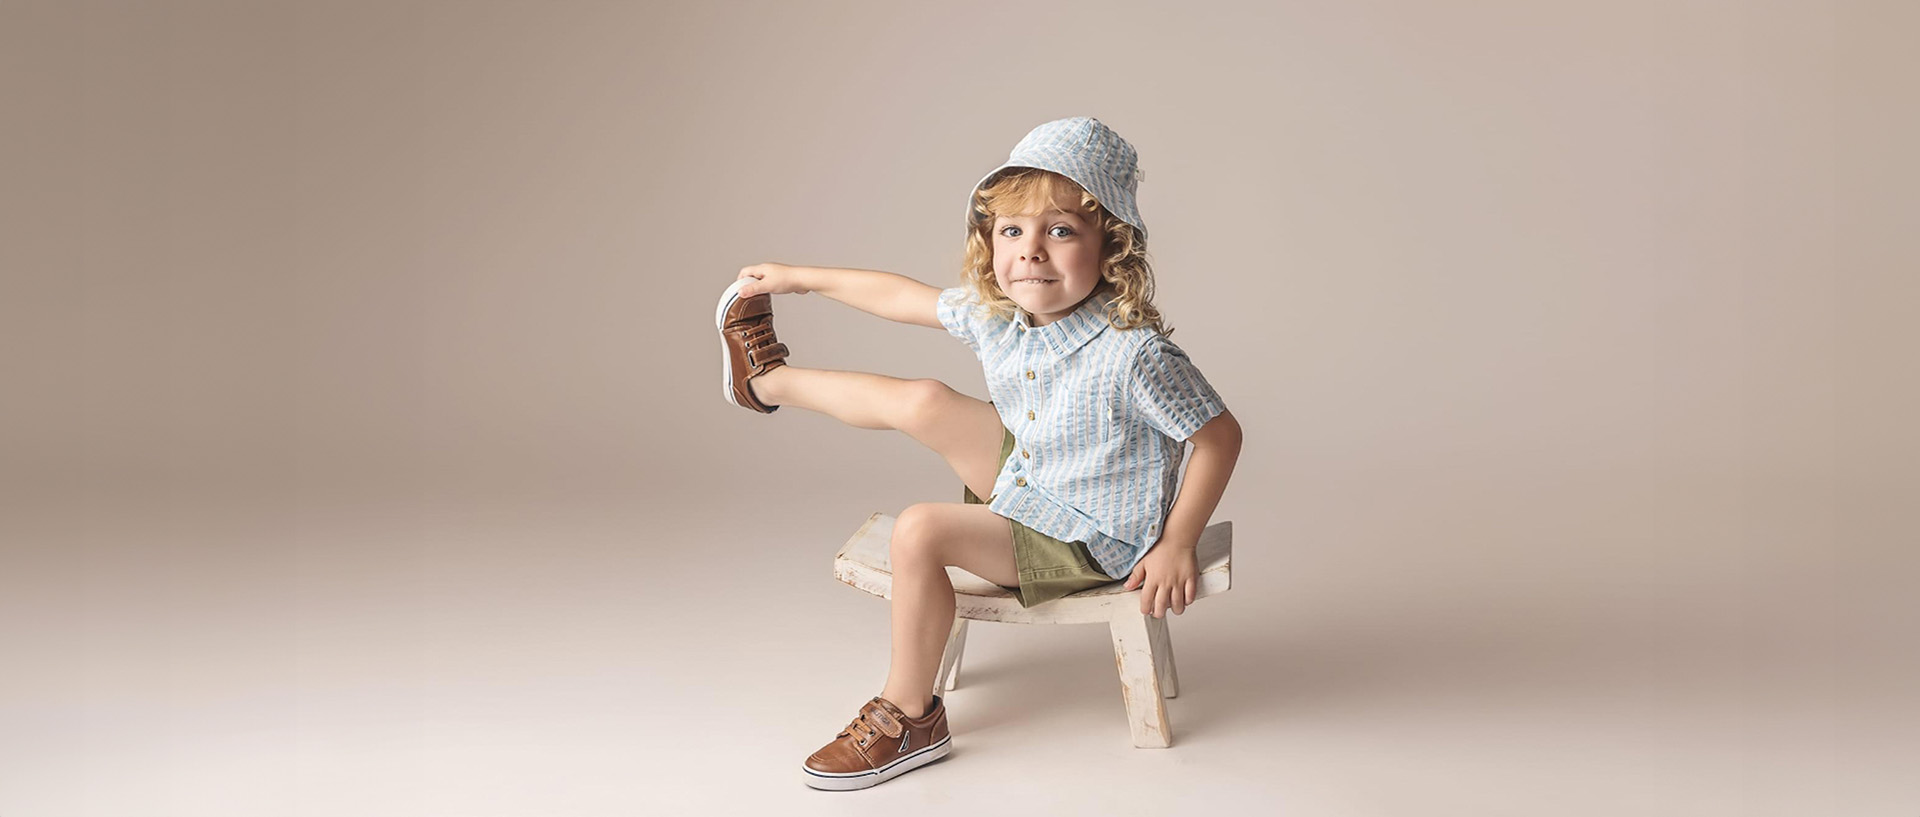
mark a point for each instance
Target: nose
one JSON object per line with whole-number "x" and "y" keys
{"x": 1030, "y": 249}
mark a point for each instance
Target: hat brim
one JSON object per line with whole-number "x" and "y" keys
{"x": 1134, "y": 221}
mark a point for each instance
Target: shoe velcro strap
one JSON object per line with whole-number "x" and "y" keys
{"x": 766, "y": 354}
{"x": 879, "y": 716}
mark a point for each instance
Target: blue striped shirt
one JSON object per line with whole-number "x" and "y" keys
{"x": 1100, "y": 417}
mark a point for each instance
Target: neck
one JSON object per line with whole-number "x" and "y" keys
{"x": 1037, "y": 320}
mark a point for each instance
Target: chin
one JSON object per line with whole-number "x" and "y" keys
{"x": 1035, "y": 305}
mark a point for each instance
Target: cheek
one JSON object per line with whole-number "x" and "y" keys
{"x": 1086, "y": 254}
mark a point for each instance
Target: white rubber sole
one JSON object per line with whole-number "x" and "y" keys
{"x": 720, "y": 323}
{"x": 874, "y": 777}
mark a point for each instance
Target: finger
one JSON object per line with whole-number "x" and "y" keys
{"x": 1162, "y": 599}
{"x": 1191, "y": 589}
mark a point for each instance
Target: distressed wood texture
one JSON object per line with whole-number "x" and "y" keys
{"x": 1142, "y": 644}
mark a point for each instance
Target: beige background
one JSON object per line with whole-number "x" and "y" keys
{"x": 362, "y": 450}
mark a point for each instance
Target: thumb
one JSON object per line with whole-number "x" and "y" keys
{"x": 1133, "y": 580}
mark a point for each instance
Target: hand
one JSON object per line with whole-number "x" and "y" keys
{"x": 775, "y": 279}
{"x": 1166, "y": 576}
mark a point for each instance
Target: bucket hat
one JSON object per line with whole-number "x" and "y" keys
{"x": 1085, "y": 150}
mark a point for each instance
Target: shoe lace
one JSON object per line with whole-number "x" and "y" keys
{"x": 762, "y": 347}
{"x": 863, "y": 731}
{"x": 862, "y": 728}
{"x": 759, "y": 334}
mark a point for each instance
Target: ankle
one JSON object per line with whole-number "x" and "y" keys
{"x": 923, "y": 706}
{"x": 765, "y": 386}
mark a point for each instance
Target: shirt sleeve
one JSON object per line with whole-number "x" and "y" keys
{"x": 956, "y": 312}
{"x": 1169, "y": 391}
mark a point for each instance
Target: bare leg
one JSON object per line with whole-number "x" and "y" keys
{"x": 965, "y": 431}
{"x": 926, "y": 538}
{"x": 859, "y": 399}
{"x": 922, "y": 619}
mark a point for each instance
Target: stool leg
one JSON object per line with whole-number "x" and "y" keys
{"x": 949, "y": 674}
{"x": 1162, "y": 640}
{"x": 1133, "y": 653}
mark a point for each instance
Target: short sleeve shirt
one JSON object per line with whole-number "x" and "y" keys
{"x": 1100, "y": 417}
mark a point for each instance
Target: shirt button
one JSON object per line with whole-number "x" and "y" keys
{"x": 1023, "y": 452}
{"x": 1020, "y": 481}
{"x": 1029, "y": 414}
{"x": 1029, "y": 374}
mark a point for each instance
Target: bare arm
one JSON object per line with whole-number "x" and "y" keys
{"x": 1169, "y": 575}
{"x": 1216, "y": 447}
{"x": 888, "y": 295}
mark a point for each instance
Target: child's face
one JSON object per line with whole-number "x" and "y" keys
{"x": 1061, "y": 246}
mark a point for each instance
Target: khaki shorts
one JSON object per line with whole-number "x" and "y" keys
{"x": 1049, "y": 568}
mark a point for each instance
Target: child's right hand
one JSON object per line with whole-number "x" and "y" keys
{"x": 775, "y": 279}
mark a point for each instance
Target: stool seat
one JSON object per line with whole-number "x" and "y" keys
{"x": 1143, "y": 648}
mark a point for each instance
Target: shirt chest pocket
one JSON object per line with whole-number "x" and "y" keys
{"x": 1110, "y": 417}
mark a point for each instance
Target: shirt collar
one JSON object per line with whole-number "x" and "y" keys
{"x": 1066, "y": 335}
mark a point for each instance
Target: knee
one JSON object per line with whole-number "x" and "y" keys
{"x": 916, "y": 538}
{"x": 921, "y": 402}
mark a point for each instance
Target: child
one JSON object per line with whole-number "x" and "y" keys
{"x": 1056, "y": 302}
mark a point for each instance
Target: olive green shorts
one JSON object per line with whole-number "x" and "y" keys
{"x": 1049, "y": 568}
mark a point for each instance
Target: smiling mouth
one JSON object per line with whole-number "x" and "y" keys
{"x": 1037, "y": 280}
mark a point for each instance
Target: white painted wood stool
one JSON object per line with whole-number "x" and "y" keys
{"x": 1142, "y": 647}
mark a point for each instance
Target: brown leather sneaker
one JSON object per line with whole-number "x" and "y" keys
{"x": 880, "y": 744}
{"x": 748, "y": 348}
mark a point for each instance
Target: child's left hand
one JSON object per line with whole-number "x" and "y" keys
{"x": 1167, "y": 575}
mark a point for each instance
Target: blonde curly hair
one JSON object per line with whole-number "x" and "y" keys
{"x": 1124, "y": 268}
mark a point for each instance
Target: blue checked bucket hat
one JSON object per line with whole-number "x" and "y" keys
{"x": 1085, "y": 150}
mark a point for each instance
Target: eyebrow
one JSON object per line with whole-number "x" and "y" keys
{"x": 1050, "y": 212}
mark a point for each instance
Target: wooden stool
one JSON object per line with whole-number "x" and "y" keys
{"x": 1142, "y": 647}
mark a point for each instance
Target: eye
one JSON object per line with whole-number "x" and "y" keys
{"x": 1016, "y": 234}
